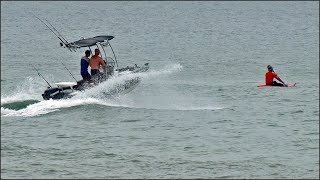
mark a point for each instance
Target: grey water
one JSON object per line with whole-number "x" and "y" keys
{"x": 197, "y": 112}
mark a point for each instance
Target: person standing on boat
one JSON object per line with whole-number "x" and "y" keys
{"x": 95, "y": 62}
{"x": 84, "y": 63}
{"x": 269, "y": 78}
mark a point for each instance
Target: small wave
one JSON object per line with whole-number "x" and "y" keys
{"x": 19, "y": 98}
{"x": 181, "y": 108}
{"x": 18, "y": 104}
{"x": 29, "y": 89}
{"x": 44, "y": 107}
{"x": 168, "y": 69}
{"x": 199, "y": 108}
{"x": 49, "y": 106}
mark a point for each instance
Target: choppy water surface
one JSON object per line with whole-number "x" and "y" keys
{"x": 196, "y": 114}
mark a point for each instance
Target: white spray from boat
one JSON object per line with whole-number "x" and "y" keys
{"x": 91, "y": 96}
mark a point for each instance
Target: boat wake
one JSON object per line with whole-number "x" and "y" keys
{"x": 26, "y": 100}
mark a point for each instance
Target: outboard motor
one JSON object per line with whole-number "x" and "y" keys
{"x": 51, "y": 93}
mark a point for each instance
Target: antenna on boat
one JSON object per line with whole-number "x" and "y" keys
{"x": 69, "y": 71}
{"x": 41, "y": 75}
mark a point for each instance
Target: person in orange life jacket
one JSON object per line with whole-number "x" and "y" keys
{"x": 95, "y": 62}
{"x": 84, "y": 63}
{"x": 269, "y": 78}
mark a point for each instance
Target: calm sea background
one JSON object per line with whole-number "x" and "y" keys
{"x": 196, "y": 114}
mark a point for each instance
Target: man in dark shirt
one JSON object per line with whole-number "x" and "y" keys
{"x": 84, "y": 66}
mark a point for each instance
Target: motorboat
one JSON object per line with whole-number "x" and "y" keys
{"x": 66, "y": 89}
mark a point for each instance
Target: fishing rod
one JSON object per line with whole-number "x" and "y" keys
{"x": 51, "y": 30}
{"x": 57, "y": 31}
{"x": 59, "y": 36}
{"x": 41, "y": 75}
{"x": 69, "y": 71}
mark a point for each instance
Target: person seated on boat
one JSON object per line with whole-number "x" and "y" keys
{"x": 95, "y": 62}
{"x": 269, "y": 78}
{"x": 84, "y": 63}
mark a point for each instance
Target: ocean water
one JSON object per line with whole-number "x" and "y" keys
{"x": 197, "y": 112}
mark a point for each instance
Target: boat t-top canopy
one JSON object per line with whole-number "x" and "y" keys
{"x": 102, "y": 41}
{"x": 88, "y": 42}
